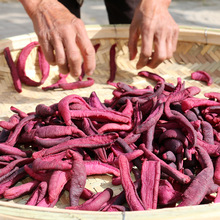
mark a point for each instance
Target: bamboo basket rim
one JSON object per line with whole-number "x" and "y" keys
{"x": 10, "y": 210}
{"x": 41, "y": 213}
{"x": 186, "y": 33}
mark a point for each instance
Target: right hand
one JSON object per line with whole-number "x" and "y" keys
{"x": 62, "y": 36}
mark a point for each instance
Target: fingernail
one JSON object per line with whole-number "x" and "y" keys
{"x": 139, "y": 65}
{"x": 76, "y": 74}
{"x": 89, "y": 73}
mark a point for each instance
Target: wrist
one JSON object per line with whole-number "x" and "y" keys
{"x": 30, "y": 5}
{"x": 166, "y": 2}
{"x": 158, "y": 2}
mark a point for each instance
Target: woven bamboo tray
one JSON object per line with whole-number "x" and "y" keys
{"x": 198, "y": 49}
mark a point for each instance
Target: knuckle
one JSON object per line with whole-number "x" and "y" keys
{"x": 131, "y": 46}
{"x": 78, "y": 23}
{"x": 60, "y": 61}
{"x": 146, "y": 53}
{"x": 41, "y": 35}
{"x": 161, "y": 57}
{"x": 61, "y": 31}
{"x": 74, "y": 57}
{"x": 132, "y": 28}
{"x": 148, "y": 28}
{"x": 75, "y": 70}
{"x": 89, "y": 51}
{"x": 175, "y": 31}
{"x": 174, "y": 49}
{"x": 176, "y": 28}
{"x": 169, "y": 55}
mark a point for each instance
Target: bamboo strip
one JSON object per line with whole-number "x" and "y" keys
{"x": 198, "y": 49}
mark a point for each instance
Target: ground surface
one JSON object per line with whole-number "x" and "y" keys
{"x": 203, "y": 13}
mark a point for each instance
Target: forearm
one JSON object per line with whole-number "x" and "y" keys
{"x": 152, "y": 8}
{"x": 31, "y": 6}
{"x": 154, "y": 4}
{"x": 158, "y": 2}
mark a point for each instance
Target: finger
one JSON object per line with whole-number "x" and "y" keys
{"x": 64, "y": 69}
{"x": 73, "y": 55}
{"x": 48, "y": 51}
{"x": 60, "y": 55}
{"x": 132, "y": 42}
{"x": 86, "y": 48}
{"x": 175, "y": 38}
{"x": 169, "y": 43}
{"x": 146, "y": 47}
{"x": 160, "y": 53}
{"x": 88, "y": 54}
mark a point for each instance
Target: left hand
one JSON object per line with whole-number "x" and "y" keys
{"x": 153, "y": 22}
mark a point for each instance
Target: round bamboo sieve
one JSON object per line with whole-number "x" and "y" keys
{"x": 197, "y": 49}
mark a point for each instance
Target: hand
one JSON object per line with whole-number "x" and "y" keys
{"x": 62, "y": 36}
{"x": 153, "y": 22}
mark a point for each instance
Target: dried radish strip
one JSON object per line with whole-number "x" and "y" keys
{"x": 44, "y": 66}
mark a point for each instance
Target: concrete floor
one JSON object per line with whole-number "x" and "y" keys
{"x": 203, "y": 13}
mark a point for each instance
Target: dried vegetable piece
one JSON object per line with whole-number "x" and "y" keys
{"x": 217, "y": 171}
{"x": 199, "y": 186}
{"x": 38, "y": 194}
{"x": 11, "y": 180}
{"x": 96, "y": 202}
{"x": 7, "y": 149}
{"x": 136, "y": 133}
{"x": 167, "y": 195}
{"x": 56, "y": 85}
{"x": 13, "y": 164}
{"x": 21, "y": 190}
{"x": 13, "y": 70}
{"x": 57, "y": 182}
{"x": 77, "y": 85}
{"x": 55, "y": 131}
{"x": 13, "y": 137}
{"x": 77, "y": 177}
{"x": 44, "y": 65}
{"x": 196, "y": 102}
{"x": 202, "y": 76}
{"x": 97, "y": 167}
{"x": 40, "y": 164}
{"x": 20, "y": 113}
{"x": 94, "y": 141}
{"x": 150, "y": 178}
{"x": 112, "y": 63}
{"x": 213, "y": 96}
{"x": 50, "y": 142}
{"x": 174, "y": 173}
{"x": 131, "y": 194}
